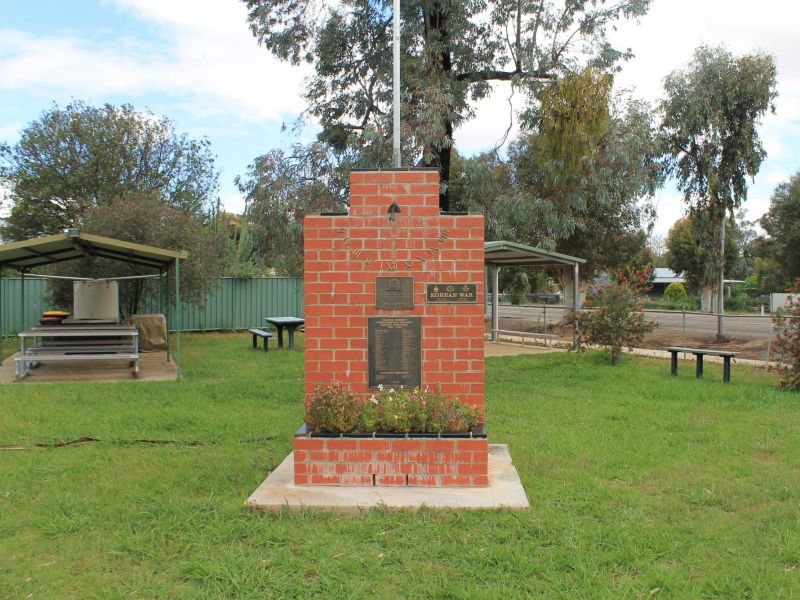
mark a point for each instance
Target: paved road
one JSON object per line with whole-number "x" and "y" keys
{"x": 743, "y": 327}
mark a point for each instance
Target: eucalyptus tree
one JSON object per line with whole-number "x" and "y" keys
{"x": 711, "y": 114}
{"x": 589, "y": 195}
{"x": 687, "y": 254}
{"x": 280, "y": 188}
{"x": 453, "y": 51}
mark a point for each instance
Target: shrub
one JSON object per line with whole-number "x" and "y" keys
{"x": 333, "y": 408}
{"x": 519, "y": 286}
{"x": 615, "y": 315}
{"x": 787, "y": 324}
{"x": 675, "y": 291}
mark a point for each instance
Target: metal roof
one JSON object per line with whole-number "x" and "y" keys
{"x": 664, "y": 275}
{"x": 74, "y": 244}
{"x": 502, "y": 253}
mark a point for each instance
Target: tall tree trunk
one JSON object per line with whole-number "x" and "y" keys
{"x": 441, "y": 69}
{"x": 444, "y": 170}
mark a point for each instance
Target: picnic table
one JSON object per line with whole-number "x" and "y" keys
{"x": 290, "y": 323}
{"x": 67, "y": 343}
{"x": 699, "y": 353}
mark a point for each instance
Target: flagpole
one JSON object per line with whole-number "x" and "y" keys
{"x": 396, "y": 86}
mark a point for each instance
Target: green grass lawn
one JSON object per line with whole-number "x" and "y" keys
{"x": 641, "y": 486}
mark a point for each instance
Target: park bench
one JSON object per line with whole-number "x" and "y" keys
{"x": 25, "y": 363}
{"x": 288, "y": 323}
{"x": 699, "y": 353}
{"x": 260, "y": 333}
{"x": 109, "y": 342}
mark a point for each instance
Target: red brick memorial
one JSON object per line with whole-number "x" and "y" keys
{"x": 394, "y": 297}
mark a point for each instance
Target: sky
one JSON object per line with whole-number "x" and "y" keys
{"x": 196, "y": 62}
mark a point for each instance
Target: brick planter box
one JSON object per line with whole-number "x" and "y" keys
{"x": 391, "y": 459}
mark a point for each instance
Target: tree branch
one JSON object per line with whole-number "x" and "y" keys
{"x": 496, "y": 75}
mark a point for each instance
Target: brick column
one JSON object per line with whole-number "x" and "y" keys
{"x": 344, "y": 255}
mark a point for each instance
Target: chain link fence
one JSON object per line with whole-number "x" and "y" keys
{"x": 752, "y": 336}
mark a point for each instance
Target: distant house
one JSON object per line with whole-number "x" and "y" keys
{"x": 663, "y": 277}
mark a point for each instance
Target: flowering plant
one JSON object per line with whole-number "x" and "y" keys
{"x": 333, "y": 408}
{"x": 615, "y": 315}
{"x": 787, "y": 324}
{"x": 390, "y": 410}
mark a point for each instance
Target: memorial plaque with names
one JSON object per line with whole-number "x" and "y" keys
{"x": 394, "y": 292}
{"x": 451, "y": 293}
{"x": 395, "y": 352}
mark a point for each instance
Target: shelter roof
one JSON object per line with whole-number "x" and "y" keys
{"x": 502, "y": 253}
{"x": 74, "y": 244}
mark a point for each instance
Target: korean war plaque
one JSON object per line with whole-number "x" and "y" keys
{"x": 394, "y": 292}
{"x": 451, "y": 293}
{"x": 394, "y": 349}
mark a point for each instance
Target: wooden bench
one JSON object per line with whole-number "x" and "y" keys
{"x": 699, "y": 353}
{"x": 25, "y": 363}
{"x": 260, "y": 333}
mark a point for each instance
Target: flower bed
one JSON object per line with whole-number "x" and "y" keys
{"x": 397, "y": 438}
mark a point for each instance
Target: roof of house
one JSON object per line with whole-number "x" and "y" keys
{"x": 663, "y": 275}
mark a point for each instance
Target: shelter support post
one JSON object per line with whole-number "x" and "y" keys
{"x": 495, "y": 302}
{"x": 486, "y": 291}
{"x": 177, "y": 316}
{"x": 576, "y": 299}
{"x": 22, "y": 300}
{"x": 163, "y": 290}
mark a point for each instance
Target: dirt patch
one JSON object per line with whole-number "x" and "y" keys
{"x": 753, "y": 349}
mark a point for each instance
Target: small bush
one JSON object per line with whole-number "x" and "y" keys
{"x": 333, "y": 408}
{"x": 615, "y": 315}
{"x": 787, "y": 324}
{"x": 675, "y": 291}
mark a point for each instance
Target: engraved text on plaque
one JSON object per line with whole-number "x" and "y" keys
{"x": 394, "y": 292}
{"x": 394, "y": 351}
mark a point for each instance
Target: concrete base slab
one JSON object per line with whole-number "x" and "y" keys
{"x": 153, "y": 366}
{"x": 504, "y": 491}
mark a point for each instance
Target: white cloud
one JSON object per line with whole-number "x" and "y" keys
{"x": 232, "y": 203}
{"x": 669, "y": 208}
{"x": 664, "y": 41}
{"x": 207, "y": 59}
{"x": 492, "y": 119}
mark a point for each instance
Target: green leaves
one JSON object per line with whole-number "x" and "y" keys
{"x": 77, "y": 157}
{"x": 615, "y": 314}
{"x": 782, "y": 224}
{"x": 451, "y": 51}
{"x": 709, "y": 129}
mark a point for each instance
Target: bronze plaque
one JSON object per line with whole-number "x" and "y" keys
{"x": 394, "y": 292}
{"x": 451, "y": 293}
{"x": 395, "y": 352}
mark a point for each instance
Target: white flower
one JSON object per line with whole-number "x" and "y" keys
{"x": 380, "y": 386}
{"x": 391, "y": 390}
{"x": 373, "y": 399}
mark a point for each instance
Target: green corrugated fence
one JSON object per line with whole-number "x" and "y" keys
{"x": 10, "y": 304}
{"x": 234, "y": 304}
